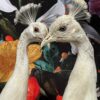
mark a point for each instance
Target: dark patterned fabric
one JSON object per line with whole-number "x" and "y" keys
{"x": 94, "y": 7}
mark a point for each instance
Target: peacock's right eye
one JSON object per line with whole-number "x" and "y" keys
{"x": 62, "y": 28}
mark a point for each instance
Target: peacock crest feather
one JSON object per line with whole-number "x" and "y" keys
{"x": 27, "y": 14}
{"x": 78, "y": 9}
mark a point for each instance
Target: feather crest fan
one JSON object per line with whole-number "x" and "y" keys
{"x": 78, "y": 9}
{"x": 27, "y": 14}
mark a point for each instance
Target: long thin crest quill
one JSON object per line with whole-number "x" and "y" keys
{"x": 78, "y": 9}
{"x": 27, "y": 14}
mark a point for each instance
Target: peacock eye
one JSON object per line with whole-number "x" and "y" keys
{"x": 36, "y": 29}
{"x": 62, "y": 29}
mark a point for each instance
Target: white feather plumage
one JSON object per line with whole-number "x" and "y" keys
{"x": 83, "y": 78}
{"x": 27, "y": 14}
{"x": 78, "y": 9}
{"x": 16, "y": 87}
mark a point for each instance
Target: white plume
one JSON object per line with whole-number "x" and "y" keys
{"x": 79, "y": 9}
{"x": 27, "y": 14}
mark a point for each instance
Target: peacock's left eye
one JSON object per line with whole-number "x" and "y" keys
{"x": 62, "y": 29}
{"x": 36, "y": 29}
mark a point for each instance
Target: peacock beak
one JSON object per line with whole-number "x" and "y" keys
{"x": 47, "y": 40}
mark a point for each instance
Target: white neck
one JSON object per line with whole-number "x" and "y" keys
{"x": 16, "y": 87}
{"x": 85, "y": 50}
{"x": 22, "y": 58}
{"x": 82, "y": 81}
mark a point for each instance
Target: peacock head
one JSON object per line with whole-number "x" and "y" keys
{"x": 66, "y": 28}
{"x": 27, "y": 16}
{"x": 38, "y": 31}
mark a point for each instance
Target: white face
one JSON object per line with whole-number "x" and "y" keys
{"x": 64, "y": 29}
{"x": 38, "y": 31}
